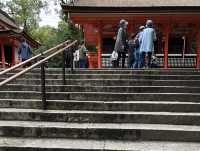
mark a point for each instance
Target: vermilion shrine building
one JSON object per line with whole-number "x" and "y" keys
{"x": 177, "y": 24}
{"x": 10, "y": 37}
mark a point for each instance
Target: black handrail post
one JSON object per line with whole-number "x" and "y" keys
{"x": 72, "y": 58}
{"x": 63, "y": 68}
{"x": 43, "y": 87}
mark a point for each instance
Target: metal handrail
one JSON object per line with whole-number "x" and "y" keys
{"x": 31, "y": 59}
{"x": 35, "y": 65}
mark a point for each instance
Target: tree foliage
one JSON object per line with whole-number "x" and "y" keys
{"x": 50, "y": 37}
{"x": 25, "y": 12}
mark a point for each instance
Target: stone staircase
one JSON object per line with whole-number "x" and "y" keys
{"x": 97, "y": 110}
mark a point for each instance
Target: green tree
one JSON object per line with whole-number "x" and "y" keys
{"x": 25, "y": 12}
{"x": 50, "y": 37}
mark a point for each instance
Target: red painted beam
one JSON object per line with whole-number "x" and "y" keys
{"x": 166, "y": 48}
{"x": 99, "y": 45}
{"x": 2, "y": 54}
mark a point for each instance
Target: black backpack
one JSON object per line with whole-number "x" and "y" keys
{"x": 136, "y": 42}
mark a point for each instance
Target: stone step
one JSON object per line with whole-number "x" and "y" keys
{"x": 148, "y": 106}
{"x": 80, "y": 116}
{"x": 44, "y": 144}
{"x": 110, "y": 82}
{"x": 118, "y": 71}
{"x": 100, "y": 131}
{"x": 124, "y": 89}
{"x": 103, "y": 96}
{"x": 111, "y": 76}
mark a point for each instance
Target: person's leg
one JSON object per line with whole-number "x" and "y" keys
{"x": 133, "y": 59}
{"x": 84, "y": 63}
{"x": 129, "y": 60}
{"x": 149, "y": 59}
{"x": 81, "y": 63}
{"x": 118, "y": 59}
{"x": 113, "y": 63}
{"x": 136, "y": 64}
{"x": 123, "y": 59}
{"x": 146, "y": 60}
{"x": 141, "y": 59}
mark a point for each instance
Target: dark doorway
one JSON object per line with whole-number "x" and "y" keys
{"x": 8, "y": 54}
{"x": 108, "y": 45}
{"x": 176, "y": 45}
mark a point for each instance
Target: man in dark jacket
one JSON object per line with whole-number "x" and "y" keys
{"x": 120, "y": 44}
{"x": 24, "y": 52}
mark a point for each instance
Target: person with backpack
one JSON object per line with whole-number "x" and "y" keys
{"x": 131, "y": 51}
{"x": 76, "y": 59}
{"x": 120, "y": 44}
{"x": 82, "y": 55}
{"x": 147, "y": 39}
{"x": 24, "y": 52}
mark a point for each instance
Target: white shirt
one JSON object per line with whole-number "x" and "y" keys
{"x": 76, "y": 55}
{"x": 114, "y": 56}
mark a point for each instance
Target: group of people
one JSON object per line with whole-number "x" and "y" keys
{"x": 140, "y": 46}
{"x": 80, "y": 57}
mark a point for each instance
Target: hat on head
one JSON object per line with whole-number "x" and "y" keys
{"x": 141, "y": 27}
{"x": 149, "y": 23}
{"x": 123, "y": 22}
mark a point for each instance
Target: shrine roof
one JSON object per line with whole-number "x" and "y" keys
{"x": 6, "y": 19}
{"x": 19, "y": 34}
{"x": 11, "y": 29}
{"x": 130, "y": 5}
{"x": 133, "y": 3}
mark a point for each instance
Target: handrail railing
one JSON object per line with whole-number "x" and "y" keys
{"x": 35, "y": 65}
{"x": 33, "y": 58}
{"x": 42, "y": 63}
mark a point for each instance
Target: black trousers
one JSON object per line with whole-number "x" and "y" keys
{"x": 114, "y": 63}
{"x": 146, "y": 57}
{"x": 123, "y": 56}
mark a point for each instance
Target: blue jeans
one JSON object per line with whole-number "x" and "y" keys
{"x": 82, "y": 63}
{"x": 145, "y": 61}
{"x": 136, "y": 64}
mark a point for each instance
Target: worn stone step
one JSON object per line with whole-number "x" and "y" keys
{"x": 124, "y": 89}
{"x": 102, "y": 96}
{"x": 112, "y": 76}
{"x": 110, "y": 131}
{"x": 110, "y": 82}
{"x": 100, "y": 116}
{"x": 148, "y": 106}
{"x": 41, "y": 144}
{"x": 118, "y": 71}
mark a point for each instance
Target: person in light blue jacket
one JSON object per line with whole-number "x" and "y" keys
{"x": 146, "y": 40}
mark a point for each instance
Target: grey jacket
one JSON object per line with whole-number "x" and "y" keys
{"x": 120, "y": 44}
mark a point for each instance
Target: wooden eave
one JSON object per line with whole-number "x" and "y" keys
{"x": 134, "y": 10}
{"x": 18, "y": 35}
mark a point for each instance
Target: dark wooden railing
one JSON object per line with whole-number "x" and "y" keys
{"x": 66, "y": 46}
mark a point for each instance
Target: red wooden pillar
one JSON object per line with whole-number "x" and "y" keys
{"x": 166, "y": 48}
{"x": 99, "y": 45}
{"x": 2, "y": 54}
{"x": 198, "y": 49}
{"x": 13, "y": 53}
